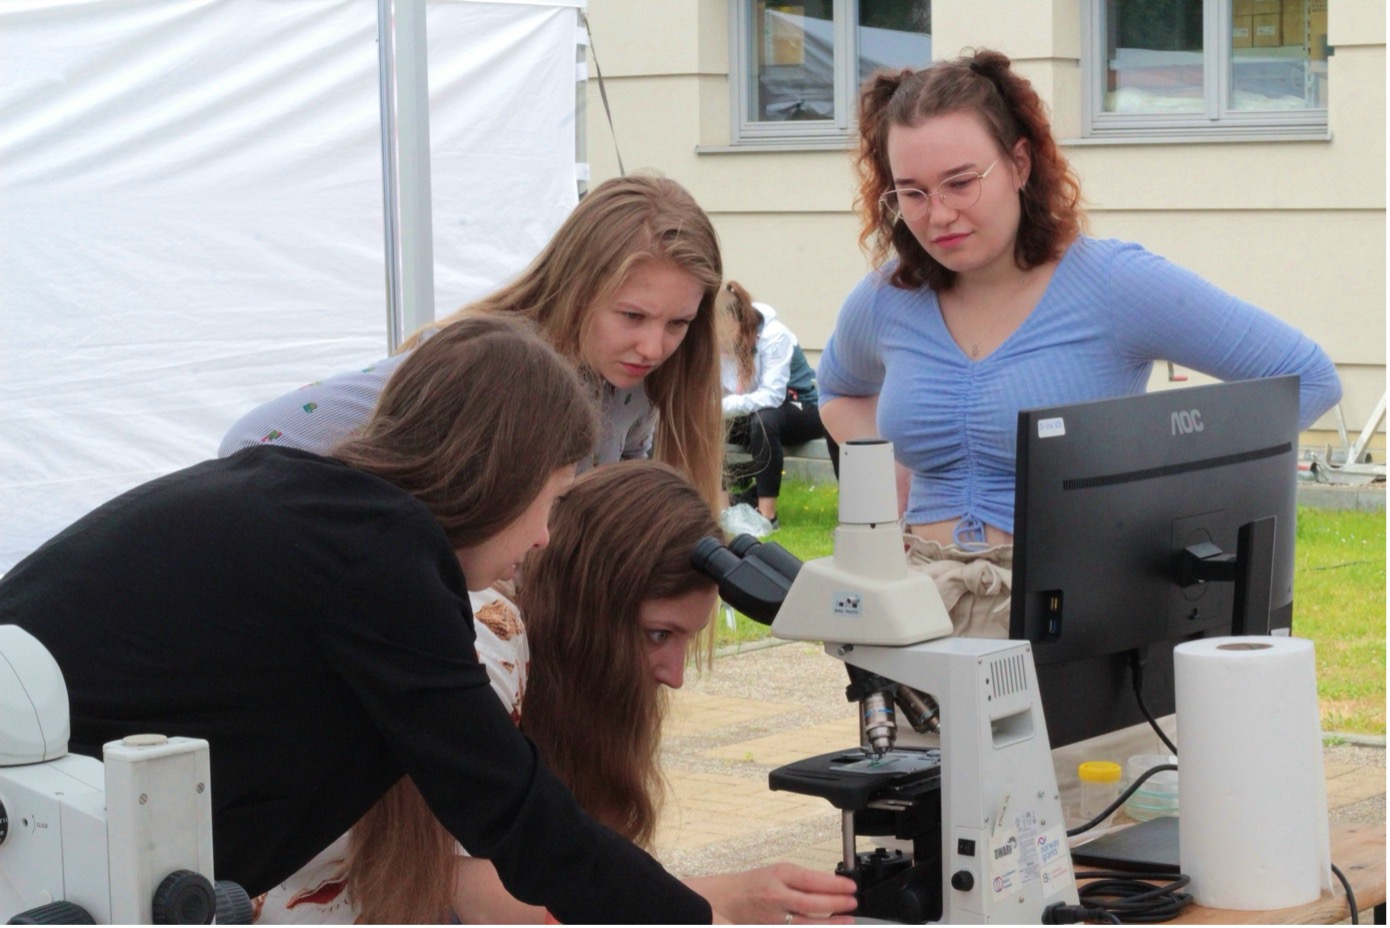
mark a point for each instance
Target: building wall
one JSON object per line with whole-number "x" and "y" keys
{"x": 1297, "y": 227}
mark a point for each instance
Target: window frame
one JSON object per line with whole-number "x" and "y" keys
{"x": 1217, "y": 120}
{"x": 743, "y": 77}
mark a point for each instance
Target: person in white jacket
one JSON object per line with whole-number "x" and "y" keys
{"x": 769, "y": 395}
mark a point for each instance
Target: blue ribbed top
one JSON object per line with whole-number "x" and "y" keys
{"x": 1110, "y": 311}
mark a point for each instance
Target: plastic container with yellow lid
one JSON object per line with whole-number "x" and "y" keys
{"x": 1100, "y": 786}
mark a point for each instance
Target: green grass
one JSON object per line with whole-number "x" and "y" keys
{"x": 1339, "y": 597}
{"x": 1339, "y": 603}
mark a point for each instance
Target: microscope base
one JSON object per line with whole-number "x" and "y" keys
{"x": 896, "y": 796}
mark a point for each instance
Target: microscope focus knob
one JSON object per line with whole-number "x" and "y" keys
{"x": 963, "y": 880}
{"x": 54, "y": 913}
{"x": 184, "y": 897}
{"x": 233, "y": 903}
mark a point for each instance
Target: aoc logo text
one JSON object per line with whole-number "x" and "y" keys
{"x": 1187, "y": 421}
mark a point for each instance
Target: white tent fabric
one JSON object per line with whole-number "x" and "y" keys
{"x": 191, "y": 214}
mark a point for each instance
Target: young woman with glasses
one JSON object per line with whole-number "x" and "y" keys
{"x": 626, "y": 290}
{"x": 614, "y": 589}
{"x": 307, "y": 615}
{"x": 989, "y": 298}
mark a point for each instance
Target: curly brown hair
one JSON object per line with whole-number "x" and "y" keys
{"x": 982, "y": 83}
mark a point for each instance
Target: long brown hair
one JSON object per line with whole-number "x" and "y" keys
{"x": 621, "y": 536}
{"x": 741, "y": 321}
{"x": 458, "y": 429}
{"x": 621, "y": 223}
{"x": 1010, "y": 109}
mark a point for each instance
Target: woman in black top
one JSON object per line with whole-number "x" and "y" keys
{"x": 308, "y": 616}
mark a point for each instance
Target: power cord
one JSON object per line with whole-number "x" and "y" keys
{"x": 1351, "y": 896}
{"x": 1123, "y": 898}
{"x": 1138, "y": 659}
{"x": 1114, "y": 806}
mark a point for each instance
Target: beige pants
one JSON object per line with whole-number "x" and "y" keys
{"x": 975, "y": 585}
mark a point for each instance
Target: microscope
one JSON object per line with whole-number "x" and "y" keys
{"x": 971, "y": 789}
{"x": 127, "y": 840}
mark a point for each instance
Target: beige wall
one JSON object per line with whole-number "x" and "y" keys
{"x": 1297, "y": 227}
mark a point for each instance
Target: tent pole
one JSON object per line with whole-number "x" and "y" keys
{"x": 405, "y": 167}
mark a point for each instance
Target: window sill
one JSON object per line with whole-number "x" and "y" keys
{"x": 777, "y": 145}
{"x": 1178, "y": 138}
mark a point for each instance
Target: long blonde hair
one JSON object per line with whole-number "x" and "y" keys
{"x": 624, "y": 222}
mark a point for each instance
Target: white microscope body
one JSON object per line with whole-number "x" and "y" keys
{"x": 1004, "y": 855}
{"x": 127, "y": 842}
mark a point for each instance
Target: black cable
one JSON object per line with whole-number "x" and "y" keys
{"x": 1138, "y": 658}
{"x": 1131, "y": 898}
{"x": 1129, "y": 791}
{"x": 1351, "y": 896}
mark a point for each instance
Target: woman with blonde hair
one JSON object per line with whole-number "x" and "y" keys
{"x": 625, "y": 289}
{"x": 612, "y": 606}
{"x": 307, "y": 616}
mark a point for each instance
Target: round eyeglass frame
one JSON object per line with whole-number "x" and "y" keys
{"x": 899, "y": 213}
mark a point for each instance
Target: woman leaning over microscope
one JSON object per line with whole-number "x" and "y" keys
{"x": 989, "y": 299}
{"x": 615, "y": 590}
{"x": 307, "y": 615}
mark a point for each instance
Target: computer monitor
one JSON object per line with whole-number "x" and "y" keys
{"x": 1143, "y": 522}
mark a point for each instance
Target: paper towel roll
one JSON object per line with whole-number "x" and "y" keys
{"x": 1252, "y": 825}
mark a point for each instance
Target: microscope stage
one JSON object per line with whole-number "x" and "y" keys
{"x": 850, "y": 780}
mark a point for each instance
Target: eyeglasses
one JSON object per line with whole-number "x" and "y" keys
{"x": 958, "y": 192}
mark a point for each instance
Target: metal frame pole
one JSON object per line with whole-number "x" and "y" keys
{"x": 405, "y": 161}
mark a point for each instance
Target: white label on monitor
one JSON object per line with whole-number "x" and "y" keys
{"x": 1051, "y": 428}
{"x": 847, "y": 603}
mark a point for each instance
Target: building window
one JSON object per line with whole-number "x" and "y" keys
{"x": 1201, "y": 67}
{"x": 797, "y": 66}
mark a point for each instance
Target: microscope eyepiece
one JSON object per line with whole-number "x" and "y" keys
{"x": 753, "y": 576}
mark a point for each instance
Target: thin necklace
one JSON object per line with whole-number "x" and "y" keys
{"x": 976, "y": 344}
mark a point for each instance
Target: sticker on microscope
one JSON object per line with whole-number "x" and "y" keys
{"x": 1004, "y": 865}
{"x": 1051, "y": 428}
{"x": 1004, "y": 852}
{"x": 1055, "y": 862}
{"x": 848, "y": 604}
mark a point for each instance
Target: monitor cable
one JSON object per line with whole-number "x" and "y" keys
{"x": 1138, "y": 659}
{"x": 1120, "y": 800}
{"x": 1351, "y": 896}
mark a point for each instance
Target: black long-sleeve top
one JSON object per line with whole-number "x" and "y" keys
{"x": 311, "y": 622}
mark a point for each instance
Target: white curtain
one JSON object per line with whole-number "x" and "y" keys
{"x": 191, "y": 215}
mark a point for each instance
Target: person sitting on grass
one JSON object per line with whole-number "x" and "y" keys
{"x": 769, "y": 396}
